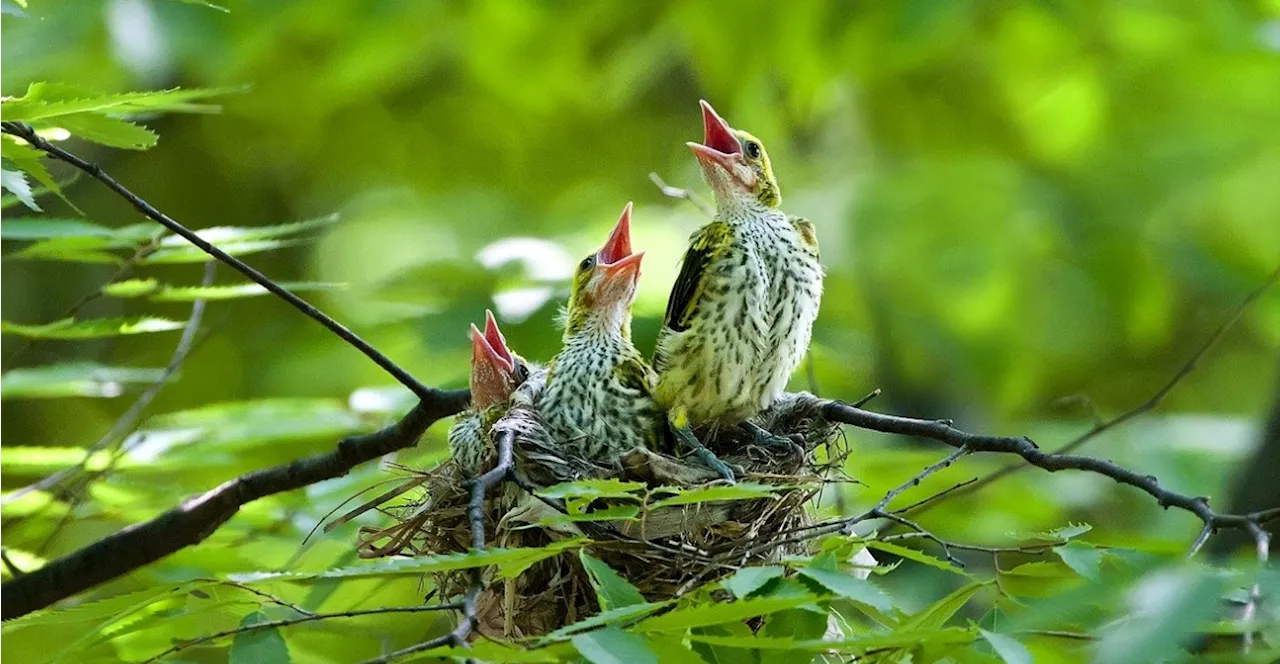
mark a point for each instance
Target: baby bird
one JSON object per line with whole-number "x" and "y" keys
{"x": 741, "y": 313}
{"x": 598, "y": 399}
{"x": 496, "y": 372}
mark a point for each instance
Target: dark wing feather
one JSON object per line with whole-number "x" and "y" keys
{"x": 703, "y": 247}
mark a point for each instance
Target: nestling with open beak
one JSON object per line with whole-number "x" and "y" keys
{"x": 741, "y": 313}
{"x": 598, "y": 399}
{"x": 496, "y": 372}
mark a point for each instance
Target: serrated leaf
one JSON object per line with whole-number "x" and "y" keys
{"x": 937, "y": 614}
{"x": 15, "y": 182}
{"x": 740, "y": 491}
{"x": 612, "y": 590}
{"x": 1039, "y": 578}
{"x": 131, "y": 288}
{"x": 109, "y": 131}
{"x": 619, "y": 616}
{"x": 194, "y": 254}
{"x": 234, "y": 292}
{"x": 41, "y": 228}
{"x": 1008, "y": 648}
{"x": 908, "y": 553}
{"x": 612, "y": 513}
{"x": 222, "y": 234}
{"x": 92, "y": 328}
{"x": 1066, "y": 532}
{"x": 595, "y": 488}
{"x": 49, "y": 100}
{"x": 30, "y": 161}
{"x": 672, "y": 650}
{"x": 258, "y": 646}
{"x": 614, "y": 646}
{"x": 77, "y": 379}
{"x": 751, "y": 579}
{"x": 702, "y": 615}
{"x": 849, "y": 587}
{"x": 1082, "y": 557}
{"x": 510, "y": 563}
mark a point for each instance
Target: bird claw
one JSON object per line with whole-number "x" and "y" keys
{"x": 765, "y": 438}
{"x": 713, "y": 462}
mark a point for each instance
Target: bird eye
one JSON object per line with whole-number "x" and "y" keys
{"x": 752, "y": 149}
{"x": 588, "y": 262}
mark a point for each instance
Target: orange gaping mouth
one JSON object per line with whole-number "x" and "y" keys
{"x": 720, "y": 148}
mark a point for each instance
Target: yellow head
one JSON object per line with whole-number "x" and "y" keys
{"x": 735, "y": 164}
{"x": 604, "y": 284}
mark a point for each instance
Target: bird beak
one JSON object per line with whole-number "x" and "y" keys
{"x": 491, "y": 367}
{"x": 495, "y": 339}
{"x": 720, "y": 149}
{"x": 619, "y": 266}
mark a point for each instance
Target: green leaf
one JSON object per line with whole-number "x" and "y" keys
{"x": 1007, "y": 647}
{"x": 1082, "y": 557}
{"x": 41, "y": 228}
{"x": 701, "y": 615}
{"x": 14, "y": 181}
{"x": 1064, "y": 533}
{"x": 801, "y": 624}
{"x": 49, "y": 100}
{"x": 741, "y": 491}
{"x": 849, "y": 587}
{"x": 612, "y": 513}
{"x": 131, "y": 288}
{"x": 718, "y": 654}
{"x": 112, "y": 132}
{"x": 620, "y": 616}
{"x": 907, "y": 553}
{"x": 78, "y": 379}
{"x": 614, "y": 646}
{"x": 1039, "y": 579}
{"x": 236, "y": 291}
{"x": 597, "y": 488}
{"x": 92, "y": 328}
{"x": 258, "y": 646}
{"x": 751, "y": 579}
{"x": 941, "y": 611}
{"x": 578, "y": 495}
{"x": 612, "y": 590}
{"x": 31, "y": 460}
{"x": 235, "y": 240}
{"x": 30, "y": 161}
{"x": 510, "y": 563}
{"x": 1178, "y": 603}
{"x": 672, "y": 650}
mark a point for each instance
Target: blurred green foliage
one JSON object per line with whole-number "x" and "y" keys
{"x": 1030, "y": 212}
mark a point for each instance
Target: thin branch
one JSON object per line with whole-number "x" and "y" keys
{"x": 943, "y": 432}
{"x": 682, "y": 194}
{"x": 197, "y": 518}
{"x": 1155, "y": 400}
{"x": 458, "y": 637}
{"x": 29, "y": 135}
{"x": 129, "y": 419}
{"x": 310, "y": 617}
{"x": 265, "y": 595}
{"x": 937, "y": 496}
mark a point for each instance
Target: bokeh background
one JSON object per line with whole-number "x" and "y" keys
{"x": 1032, "y": 214}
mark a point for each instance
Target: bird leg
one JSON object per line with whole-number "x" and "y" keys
{"x": 680, "y": 425}
{"x": 766, "y": 438}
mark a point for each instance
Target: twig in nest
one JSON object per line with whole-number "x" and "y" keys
{"x": 683, "y": 194}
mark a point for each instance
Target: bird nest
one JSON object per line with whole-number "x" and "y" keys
{"x": 662, "y": 547}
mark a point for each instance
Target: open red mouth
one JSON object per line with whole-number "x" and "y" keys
{"x": 719, "y": 147}
{"x": 496, "y": 342}
{"x": 615, "y": 257}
